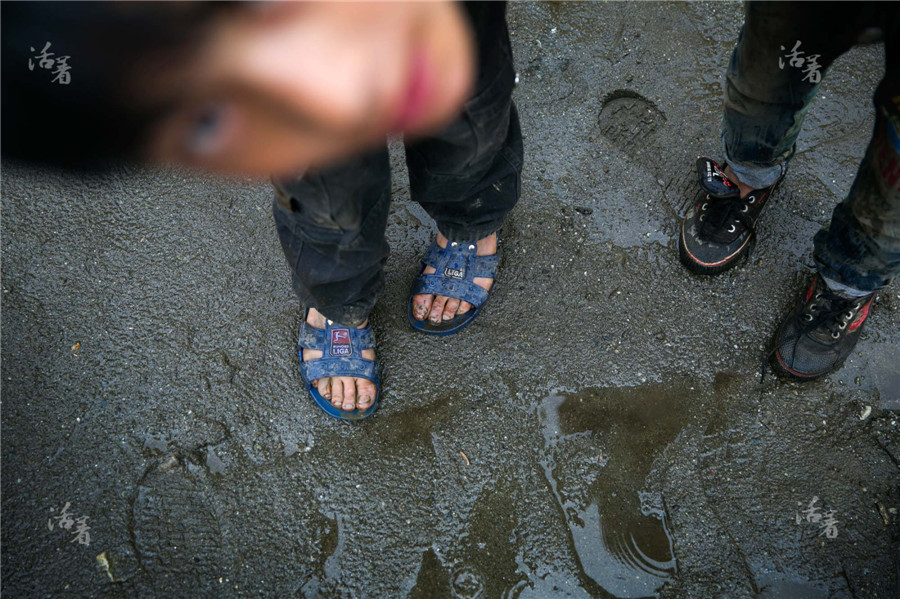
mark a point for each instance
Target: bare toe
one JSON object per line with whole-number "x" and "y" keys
{"x": 450, "y": 308}
{"x": 463, "y": 307}
{"x": 324, "y": 387}
{"x": 349, "y": 403}
{"x": 337, "y": 392}
{"x": 422, "y": 306}
{"x": 365, "y": 391}
{"x": 422, "y": 303}
{"x": 437, "y": 309}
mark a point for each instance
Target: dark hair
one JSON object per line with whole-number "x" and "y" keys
{"x": 95, "y": 119}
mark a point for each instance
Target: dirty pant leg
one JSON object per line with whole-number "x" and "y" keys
{"x": 859, "y": 251}
{"x": 331, "y": 224}
{"x": 782, "y": 54}
{"x": 468, "y": 176}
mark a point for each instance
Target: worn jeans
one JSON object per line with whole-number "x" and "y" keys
{"x": 467, "y": 177}
{"x": 783, "y": 51}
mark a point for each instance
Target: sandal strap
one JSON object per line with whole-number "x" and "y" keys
{"x": 456, "y": 288}
{"x": 486, "y": 266}
{"x": 311, "y": 337}
{"x": 459, "y": 261}
{"x": 328, "y": 367}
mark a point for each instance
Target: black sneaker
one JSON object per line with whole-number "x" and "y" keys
{"x": 819, "y": 334}
{"x": 720, "y": 228}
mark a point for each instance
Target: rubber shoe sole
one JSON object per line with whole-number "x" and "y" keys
{"x": 701, "y": 268}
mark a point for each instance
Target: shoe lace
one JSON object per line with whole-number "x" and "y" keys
{"x": 720, "y": 212}
{"x": 830, "y": 310}
{"x": 826, "y": 310}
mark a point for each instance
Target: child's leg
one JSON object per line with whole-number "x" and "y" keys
{"x": 331, "y": 224}
{"x": 856, "y": 255}
{"x": 782, "y": 54}
{"x": 468, "y": 176}
{"x": 859, "y": 252}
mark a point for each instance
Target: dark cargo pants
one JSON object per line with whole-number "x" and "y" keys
{"x": 467, "y": 177}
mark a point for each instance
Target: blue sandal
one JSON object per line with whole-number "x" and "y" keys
{"x": 341, "y": 348}
{"x": 456, "y": 266}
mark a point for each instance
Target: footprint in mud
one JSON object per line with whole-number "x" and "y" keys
{"x": 178, "y": 531}
{"x": 632, "y": 123}
{"x": 628, "y": 120}
{"x": 599, "y": 449}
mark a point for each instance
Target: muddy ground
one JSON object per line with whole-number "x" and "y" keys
{"x": 601, "y": 431}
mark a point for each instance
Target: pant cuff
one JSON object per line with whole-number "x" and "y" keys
{"x": 466, "y": 235}
{"x": 844, "y": 290}
{"x": 754, "y": 176}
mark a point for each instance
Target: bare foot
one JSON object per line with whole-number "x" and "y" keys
{"x": 344, "y": 392}
{"x": 440, "y": 308}
{"x": 742, "y": 189}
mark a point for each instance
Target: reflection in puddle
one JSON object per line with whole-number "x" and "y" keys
{"x": 600, "y": 446}
{"x": 491, "y": 546}
{"x": 466, "y": 583}
{"x": 432, "y": 579}
{"x": 483, "y": 562}
{"x": 332, "y": 538}
{"x": 598, "y": 450}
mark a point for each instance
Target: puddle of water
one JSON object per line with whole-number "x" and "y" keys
{"x": 414, "y": 424}
{"x": 332, "y": 540}
{"x": 598, "y": 451}
{"x": 485, "y": 563}
{"x": 599, "y": 448}
{"x": 432, "y": 577}
{"x": 335, "y": 538}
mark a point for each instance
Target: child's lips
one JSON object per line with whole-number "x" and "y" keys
{"x": 418, "y": 93}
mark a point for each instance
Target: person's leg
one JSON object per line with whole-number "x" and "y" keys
{"x": 783, "y": 52}
{"x": 331, "y": 224}
{"x": 468, "y": 176}
{"x": 858, "y": 253}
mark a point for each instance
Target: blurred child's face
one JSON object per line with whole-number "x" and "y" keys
{"x": 286, "y": 86}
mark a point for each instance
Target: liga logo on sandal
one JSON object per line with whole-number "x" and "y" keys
{"x": 340, "y": 342}
{"x": 455, "y": 273}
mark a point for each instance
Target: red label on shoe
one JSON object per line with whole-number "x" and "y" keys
{"x": 340, "y": 342}
{"x": 861, "y": 317}
{"x": 812, "y": 287}
{"x": 721, "y": 174}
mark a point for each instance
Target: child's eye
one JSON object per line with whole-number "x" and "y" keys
{"x": 208, "y": 133}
